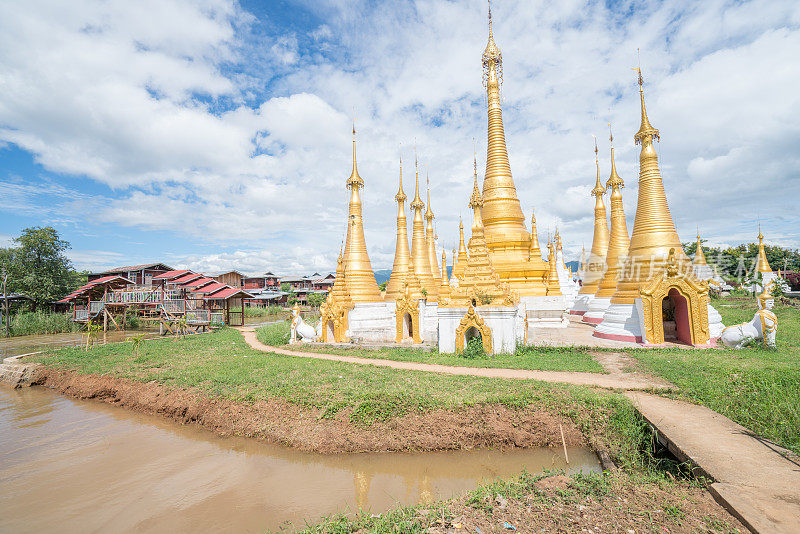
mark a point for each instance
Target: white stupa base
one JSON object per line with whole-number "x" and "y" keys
{"x": 597, "y": 310}
{"x": 621, "y": 322}
{"x": 372, "y": 322}
{"x": 581, "y": 305}
{"x": 544, "y": 312}
{"x": 715, "y": 326}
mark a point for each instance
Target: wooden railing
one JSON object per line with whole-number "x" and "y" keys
{"x": 81, "y": 315}
{"x": 175, "y": 306}
{"x": 140, "y": 295}
{"x": 217, "y": 318}
{"x": 96, "y": 307}
{"x": 198, "y": 316}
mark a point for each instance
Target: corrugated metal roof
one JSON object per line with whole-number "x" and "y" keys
{"x": 200, "y": 282}
{"x": 169, "y": 275}
{"x": 229, "y": 292}
{"x": 188, "y": 277}
{"x": 210, "y": 288}
{"x": 136, "y": 268}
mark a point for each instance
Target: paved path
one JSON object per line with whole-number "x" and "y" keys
{"x": 753, "y": 478}
{"x": 758, "y": 482}
{"x": 609, "y": 381}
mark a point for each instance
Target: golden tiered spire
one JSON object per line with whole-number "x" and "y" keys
{"x": 763, "y": 265}
{"x": 553, "y": 287}
{"x": 533, "y": 249}
{"x": 401, "y": 270}
{"x": 430, "y": 239}
{"x": 460, "y": 262}
{"x": 596, "y": 265}
{"x": 360, "y": 278}
{"x": 444, "y": 288}
{"x": 699, "y": 256}
{"x": 340, "y": 291}
{"x": 620, "y": 241}
{"x": 506, "y": 236}
{"x": 420, "y": 261}
{"x": 654, "y": 233}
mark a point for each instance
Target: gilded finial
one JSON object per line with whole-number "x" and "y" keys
{"x": 476, "y": 200}
{"x": 492, "y": 58}
{"x": 355, "y": 180}
{"x": 760, "y": 235}
{"x": 646, "y": 131}
{"x": 429, "y": 212}
{"x": 598, "y": 190}
{"x": 614, "y": 180}
{"x": 417, "y": 202}
{"x": 401, "y": 195}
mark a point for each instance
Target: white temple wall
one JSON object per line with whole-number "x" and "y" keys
{"x": 545, "y": 312}
{"x": 429, "y": 317}
{"x": 372, "y": 321}
{"x": 502, "y": 320}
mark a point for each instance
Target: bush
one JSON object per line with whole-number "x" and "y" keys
{"x": 474, "y": 349}
{"x": 41, "y": 322}
{"x": 274, "y": 334}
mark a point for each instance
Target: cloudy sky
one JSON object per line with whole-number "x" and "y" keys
{"x": 213, "y": 134}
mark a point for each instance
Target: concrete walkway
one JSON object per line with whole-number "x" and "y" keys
{"x": 755, "y": 480}
{"x": 609, "y": 381}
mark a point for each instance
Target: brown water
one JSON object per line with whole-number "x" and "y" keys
{"x": 14, "y": 346}
{"x": 80, "y": 466}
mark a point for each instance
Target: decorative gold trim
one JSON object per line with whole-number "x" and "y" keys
{"x": 335, "y": 312}
{"x": 407, "y": 305}
{"x": 472, "y": 319}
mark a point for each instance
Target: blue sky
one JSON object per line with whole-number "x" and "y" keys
{"x": 216, "y": 134}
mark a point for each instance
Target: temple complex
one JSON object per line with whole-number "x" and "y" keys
{"x": 641, "y": 288}
{"x": 617, "y": 247}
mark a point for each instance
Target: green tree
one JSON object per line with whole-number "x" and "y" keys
{"x": 315, "y": 300}
{"x": 38, "y": 267}
{"x": 286, "y": 287}
{"x": 383, "y": 285}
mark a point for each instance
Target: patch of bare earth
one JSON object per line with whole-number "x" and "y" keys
{"x": 558, "y": 504}
{"x": 621, "y": 364}
{"x": 277, "y": 421}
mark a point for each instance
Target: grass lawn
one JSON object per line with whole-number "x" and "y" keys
{"x": 223, "y": 364}
{"x": 534, "y": 358}
{"x": 756, "y": 387}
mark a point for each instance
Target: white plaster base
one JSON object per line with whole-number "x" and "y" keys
{"x": 621, "y": 322}
{"x": 372, "y": 321}
{"x": 500, "y": 319}
{"x": 544, "y": 312}
{"x": 429, "y": 316}
{"x": 581, "y": 305}
{"x": 597, "y": 309}
{"x": 715, "y": 326}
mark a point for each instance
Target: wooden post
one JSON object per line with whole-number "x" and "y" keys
{"x": 242, "y": 300}
{"x": 105, "y": 310}
{"x": 6, "y": 318}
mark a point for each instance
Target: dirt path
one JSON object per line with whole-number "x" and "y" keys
{"x": 610, "y": 381}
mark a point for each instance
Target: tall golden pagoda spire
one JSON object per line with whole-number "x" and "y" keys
{"x": 476, "y": 203}
{"x": 654, "y": 233}
{"x": 420, "y": 260}
{"x": 444, "y": 287}
{"x": 763, "y": 265}
{"x": 430, "y": 238}
{"x": 596, "y": 265}
{"x": 699, "y": 255}
{"x": 506, "y": 236}
{"x": 533, "y": 250}
{"x": 553, "y": 286}
{"x": 620, "y": 241}
{"x": 402, "y": 254}
{"x": 360, "y": 278}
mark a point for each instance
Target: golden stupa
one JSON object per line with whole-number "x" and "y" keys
{"x": 596, "y": 265}
{"x": 762, "y": 266}
{"x": 402, "y": 271}
{"x": 361, "y": 285}
{"x": 699, "y": 255}
{"x": 507, "y": 239}
{"x": 617, "y": 247}
{"x": 656, "y": 269}
{"x": 420, "y": 252}
{"x": 334, "y": 311}
{"x": 533, "y": 248}
{"x": 460, "y": 262}
{"x": 430, "y": 239}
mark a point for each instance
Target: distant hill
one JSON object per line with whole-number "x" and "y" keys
{"x": 574, "y": 265}
{"x": 382, "y": 275}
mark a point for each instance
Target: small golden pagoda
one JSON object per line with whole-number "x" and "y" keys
{"x": 334, "y": 311}
{"x": 657, "y": 271}
{"x": 479, "y": 285}
{"x": 617, "y": 246}
{"x": 553, "y": 287}
{"x": 762, "y": 266}
{"x": 420, "y": 259}
{"x": 430, "y": 239}
{"x": 534, "y": 252}
{"x": 507, "y": 239}
{"x": 402, "y": 273}
{"x": 444, "y": 287}
{"x": 596, "y": 265}
{"x": 460, "y": 262}
{"x": 699, "y": 255}
{"x": 361, "y": 283}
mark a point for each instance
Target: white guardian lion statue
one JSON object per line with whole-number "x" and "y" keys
{"x": 301, "y": 330}
{"x": 764, "y": 326}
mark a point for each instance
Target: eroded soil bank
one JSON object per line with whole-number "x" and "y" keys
{"x": 310, "y": 429}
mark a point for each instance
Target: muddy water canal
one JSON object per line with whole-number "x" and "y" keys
{"x": 80, "y": 466}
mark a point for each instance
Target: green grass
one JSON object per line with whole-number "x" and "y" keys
{"x": 267, "y": 311}
{"x": 756, "y": 387}
{"x": 532, "y": 358}
{"x": 40, "y": 322}
{"x": 222, "y": 364}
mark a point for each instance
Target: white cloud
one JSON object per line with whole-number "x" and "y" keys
{"x": 129, "y": 95}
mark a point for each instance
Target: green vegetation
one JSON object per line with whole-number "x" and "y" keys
{"x": 266, "y": 311}
{"x": 40, "y": 322}
{"x": 756, "y": 387}
{"x": 739, "y": 262}
{"x": 274, "y": 334}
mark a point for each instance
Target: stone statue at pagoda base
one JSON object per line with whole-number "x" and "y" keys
{"x": 763, "y": 328}
{"x": 300, "y": 330}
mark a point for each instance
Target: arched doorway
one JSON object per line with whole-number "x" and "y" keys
{"x": 675, "y": 316}
{"x": 472, "y": 333}
{"x": 408, "y": 326}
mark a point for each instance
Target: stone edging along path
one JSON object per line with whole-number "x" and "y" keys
{"x": 757, "y": 481}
